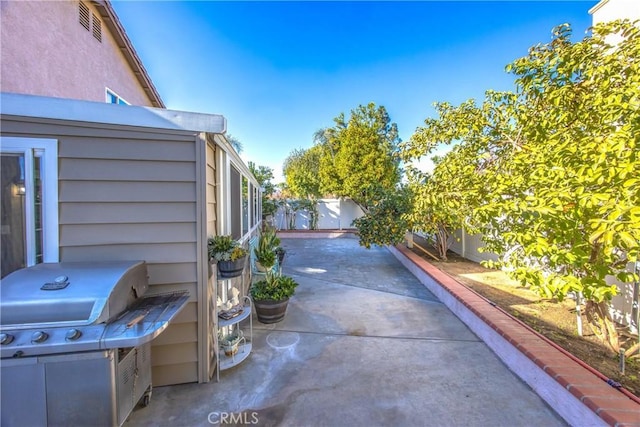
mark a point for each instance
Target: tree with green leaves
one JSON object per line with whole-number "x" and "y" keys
{"x": 388, "y": 218}
{"x": 301, "y": 172}
{"x": 235, "y": 143}
{"x": 440, "y": 203}
{"x": 264, "y": 175}
{"x": 358, "y": 152}
{"x": 550, "y": 173}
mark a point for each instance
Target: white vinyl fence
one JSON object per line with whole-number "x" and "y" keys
{"x": 624, "y": 306}
{"x": 333, "y": 214}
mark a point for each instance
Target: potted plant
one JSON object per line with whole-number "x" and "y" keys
{"x": 271, "y": 296}
{"x": 229, "y": 343}
{"x": 265, "y": 250}
{"x": 228, "y": 254}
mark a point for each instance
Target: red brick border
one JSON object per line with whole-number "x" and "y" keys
{"x": 615, "y": 407}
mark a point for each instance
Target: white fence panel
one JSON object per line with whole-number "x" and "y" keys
{"x": 329, "y": 210}
{"x": 334, "y": 214}
{"x": 349, "y": 211}
{"x": 468, "y": 245}
{"x": 624, "y": 306}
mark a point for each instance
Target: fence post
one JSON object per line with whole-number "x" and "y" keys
{"x": 464, "y": 243}
{"x": 408, "y": 236}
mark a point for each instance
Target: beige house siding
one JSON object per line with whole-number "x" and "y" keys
{"x": 46, "y": 51}
{"x": 127, "y": 199}
{"x": 212, "y": 230}
{"x": 139, "y": 183}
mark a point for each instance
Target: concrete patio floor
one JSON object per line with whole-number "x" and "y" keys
{"x": 364, "y": 343}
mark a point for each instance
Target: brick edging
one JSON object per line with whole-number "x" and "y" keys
{"x": 570, "y": 387}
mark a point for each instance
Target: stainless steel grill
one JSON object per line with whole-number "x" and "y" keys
{"x": 75, "y": 342}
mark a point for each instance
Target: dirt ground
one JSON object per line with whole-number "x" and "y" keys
{"x": 555, "y": 320}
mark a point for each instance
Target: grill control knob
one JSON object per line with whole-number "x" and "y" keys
{"x": 5, "y": 339}
{"x": 73, "y": 334}
{"x": 39, "y": 336}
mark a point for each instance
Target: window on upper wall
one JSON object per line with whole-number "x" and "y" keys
{"x": 114, "y": 98}
{"x": 29, "y": 212}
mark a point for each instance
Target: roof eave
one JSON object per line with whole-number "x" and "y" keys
{"x": 112, "y": 22}
{"x": 90, "y": 112}
{"x": 597, "y": 6}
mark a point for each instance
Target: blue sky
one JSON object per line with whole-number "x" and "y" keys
{"x": 279, "y": 71}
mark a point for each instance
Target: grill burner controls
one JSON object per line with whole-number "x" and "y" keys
{"x": 39, "y": 336}
{"x": 73, "y": 334}
{"x": 5, "y": 339}
{"x": 58, "y": 283}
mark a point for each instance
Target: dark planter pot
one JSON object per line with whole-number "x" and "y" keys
{"x": 280, "y": 255}
{"x": 228, "y": 269}
{"x": 271, "y": 311}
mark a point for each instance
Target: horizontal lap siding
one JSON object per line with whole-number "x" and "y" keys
{"x": 135, "y": 198}
{"x": 126, "y": 191}
{"x": 110, "y": 234}
{"x": 130, "y": 213}
{"x": 126, "y": 170}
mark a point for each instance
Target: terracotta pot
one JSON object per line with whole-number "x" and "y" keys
{"x": 271, "y": 311}
{"x": 228, "y": 269}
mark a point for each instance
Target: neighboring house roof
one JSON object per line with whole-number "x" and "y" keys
{"x": 617, "y": 9}
{"x": 112, "y": 22}
{"x": 597, "y": 6}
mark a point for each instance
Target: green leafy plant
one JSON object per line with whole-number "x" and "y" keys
{"x": 548, "y": 173}
{"x": 269, "y": 207}
{"x": 274, "y": 287}
{"x": 266, "y": 258}
{"x": 358, "y": 151}
{"x": 386, "y": 222}
{"x": 225, "y": 248}
{"x": 266, "y": 247}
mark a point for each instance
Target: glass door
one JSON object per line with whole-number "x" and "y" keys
{"x": 12, "y": 213}
{"x": 29, "y": 211}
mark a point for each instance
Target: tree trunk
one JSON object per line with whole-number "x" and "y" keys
{"x": 602, "y": 324}
{"x": 442, "y": 242}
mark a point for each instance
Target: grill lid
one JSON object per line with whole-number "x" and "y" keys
{"x": 70, "y": 294}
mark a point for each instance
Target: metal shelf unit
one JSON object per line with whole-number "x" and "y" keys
{"x": 229, "y": 326}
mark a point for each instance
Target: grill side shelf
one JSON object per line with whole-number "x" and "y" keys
{"x": 144, "y": 321}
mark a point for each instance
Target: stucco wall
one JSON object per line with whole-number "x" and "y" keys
{"x": 46, "y": 51}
